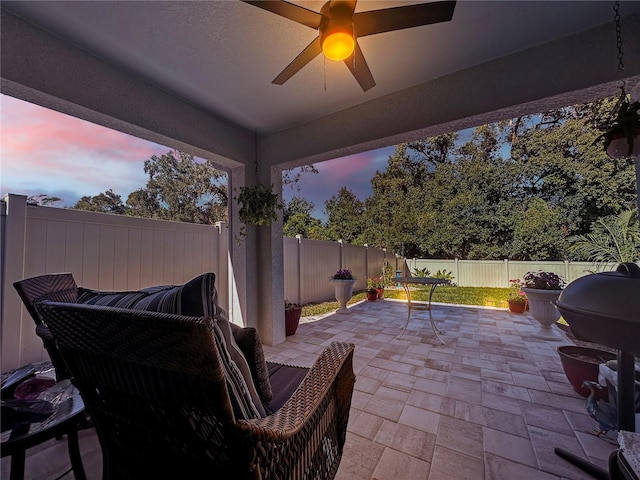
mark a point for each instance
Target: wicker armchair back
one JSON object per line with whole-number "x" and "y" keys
{"x": 59, "y": 287}
{"x": 155, "y": 388}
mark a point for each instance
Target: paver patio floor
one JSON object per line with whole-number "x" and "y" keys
{"x": 491, "y": 403}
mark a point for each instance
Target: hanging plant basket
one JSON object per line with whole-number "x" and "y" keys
{"x": 258, "y": 206}
{"x": 621, "y": 132}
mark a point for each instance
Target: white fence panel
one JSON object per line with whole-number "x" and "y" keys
{"x": 292, "y": 287}
{"x": 102, "y": 251}
{"x": 321, "y": 260}
{"x": 499, "y": 273}
{"x": 354, "y": 257}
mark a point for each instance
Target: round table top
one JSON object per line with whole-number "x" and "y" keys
{"x": 65, "y": 405}
{"x": 422, "y": 280}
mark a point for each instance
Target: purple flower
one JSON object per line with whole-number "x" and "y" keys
{"x": 343, "y": 274}
{"x": 544, "y": 281}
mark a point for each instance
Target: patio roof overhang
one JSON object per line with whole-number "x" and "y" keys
{"x": 196, "y": 76}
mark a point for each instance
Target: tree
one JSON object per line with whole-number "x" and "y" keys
{"x": 298, "y": 220}
{"x": 393, "y": 210}
{"x": 292, "y": 176}
{"x": 615, "y": 238}
{"x": 305, "y": 225}
{"x": 538, "y": 233}
{"x": 182, "y": 189}
{"x": 296, "y": 205}
{"x": 344, "y": 216}
{"x": 106, "y": 202}
{"x": 560, "y": 163}
{"x": 468, "y": 205}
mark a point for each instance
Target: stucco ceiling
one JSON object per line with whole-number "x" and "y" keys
{"x": 220, "y": 57}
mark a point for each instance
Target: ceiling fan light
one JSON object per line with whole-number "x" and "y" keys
{"x": 338, "y": 45}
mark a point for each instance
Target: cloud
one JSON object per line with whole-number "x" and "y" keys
{"x": 354, "y": 172}
{"x": 45, "y": 151}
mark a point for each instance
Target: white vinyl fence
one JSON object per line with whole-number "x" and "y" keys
{"x": 115, "y": 252}
{"x": 499, "y": 273}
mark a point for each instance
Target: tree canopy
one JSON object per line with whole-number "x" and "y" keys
{"x": 525, "y": 189}
{"x": 516, "y": 189}
{"x": 179, "y": 188}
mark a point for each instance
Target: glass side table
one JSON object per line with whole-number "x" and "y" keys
{"x": 19, "y": 433}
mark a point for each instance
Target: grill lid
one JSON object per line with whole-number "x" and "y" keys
{"x": 605, "y": 308}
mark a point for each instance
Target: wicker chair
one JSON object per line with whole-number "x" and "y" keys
{"x": 60, "y": 287}
{"x": 154, "y": 386}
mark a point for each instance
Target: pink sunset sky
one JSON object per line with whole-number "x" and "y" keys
{"x": 46, "y": 152}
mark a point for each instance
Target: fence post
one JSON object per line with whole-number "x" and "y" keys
{"x": 340, "y": 260}
{"x": 366, "y": 259}
{"x": 456, "y": 266}
{"x": 566, "y": 271}
{"x": 13, "y": 268}
{"x": 299, "y": 237}
{"x": 506, "y": 270}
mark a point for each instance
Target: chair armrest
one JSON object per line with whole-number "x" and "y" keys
{"x": 311, "y": 426}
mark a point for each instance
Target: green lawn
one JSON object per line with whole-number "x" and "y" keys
{"x": 486, "y": 296}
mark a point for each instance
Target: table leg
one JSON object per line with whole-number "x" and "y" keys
{"x": 406, "y": 324}
{"x": 74, "y": 454}
{"x": 17, "y": 465}
{"x": 436, "y": 331}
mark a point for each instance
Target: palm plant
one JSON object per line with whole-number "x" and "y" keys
{"x": 613, "y": 239}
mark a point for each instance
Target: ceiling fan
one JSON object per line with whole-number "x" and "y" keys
{"x": 339, "y": 28}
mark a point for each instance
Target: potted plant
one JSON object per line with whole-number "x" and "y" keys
{"x": 377, "y": 284}
{"x": 292, "y": 313}
{"x": 343, "y": 281}
{"x": 542, "y": 290}
{"x": 621, "y": 133}
{"x": 372, "y": 289}
{"x": 258, "y": 206}
{"x": 582, "y": 363}
{"x": 517, "y": 300}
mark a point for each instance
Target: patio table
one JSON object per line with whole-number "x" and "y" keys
{"x": 18, "y": 436}
{"x": 433, "y": 282}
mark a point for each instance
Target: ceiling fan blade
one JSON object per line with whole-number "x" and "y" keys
{"x": 360, "y": 70}
{"x": 309, "y": 53}
{"x": 289, "y": 10}
{"x": 398, "y": 18}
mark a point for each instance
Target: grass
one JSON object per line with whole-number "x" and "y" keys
{"x": 486, "y": 296}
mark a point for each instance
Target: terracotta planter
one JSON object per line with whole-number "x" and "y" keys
{"x": 517, "y": 307}
{"x": 292, "y": 319}
{"x": 580, "y": 364}
{"x": 372, "y": 295}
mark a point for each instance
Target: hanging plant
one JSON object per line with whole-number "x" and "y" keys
{"x": 622, "y": 128}
{"x": 258, "y": 206}
{"x": 258, "y": 203}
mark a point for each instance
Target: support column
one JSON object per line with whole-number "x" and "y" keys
{"x": 268, "y": 270}
{"x": 257, "y": 258}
